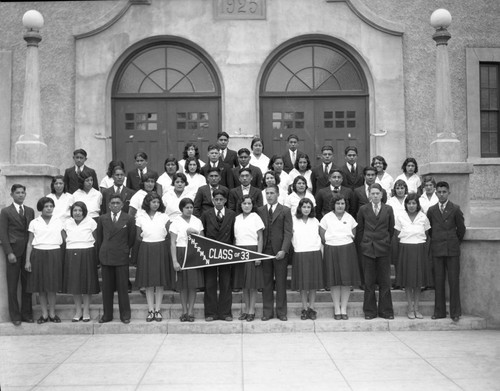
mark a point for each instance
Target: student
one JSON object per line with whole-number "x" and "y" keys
{"x": 362, "y": 193}
{"x": 257, "y": 158}
{"x": 214, "y": 160}
{"x": 374, "y": 233}
{"x": 108, "y": 181}
{"x": 300, "y": 190}
{"x": 62, "y": 199}
{"x": 272, "y": 178}
{"x": 171, "y": 166}
{"x": 351, "y": 170}
{"x": 118, "y": 187}
{"x": 135, "y": 177}
{"x": 227, "y": 155}
{"x": 320, "y": 174}
{"x": 277, "y": 239}
{"x": 14, "y": 222}
{"x": 115, "y": 237}
{"x": 218, "y": 224}
{"x": 71, "y": 174}
{"x": 203, "y": 199}
{"x": 447, "y": 232}
{"x": 147, "y": 186}
{"x": 385, "y": 179}
{"x": 302, "y": 167}
{"x": 190, "y": 151}
{"x": 173, "y": 197}
{"x": 410, "y": 176}
{"x": 324, "y": 196}
{"x": 244, "y": 162}
{"x": 88, "y": 194}
{"x": 236, "y": 194}
{"x": 276, "y": 165}
{"x": 429, "y": 197}
{"x": 192, "y": 172}
{"x": 291, "y": 155}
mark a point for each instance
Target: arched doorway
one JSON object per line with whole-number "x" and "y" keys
{"x": 316, "y": 90}
{"x": 164, "y": 95}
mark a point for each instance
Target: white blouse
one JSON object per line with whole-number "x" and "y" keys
{"x": 179, "y": 227}
{"x": 246, "y": 229}
{"x": 165, "y": 181}
{"x": 80, "y": 235}
{"x": 153, "y": 229}
{"x": 46, "y": 236}
{"x": 284, "y": 183}
{"x": 413, "y": 182}
{"x": 293, "y": 199}
{"x": 137, "y": 199}
{"x": 338, "y": 232}
{"x": 397, "y": 207}
{"x": 295, "y": 173}
{"x": 171, "y": 202}
{"x": 195, "y": 183}
{"x": 262, "y": 162}
{"x": 107, "y": 182}
{"x": 92, "y": 201}
{"x": 306, "y": 235}
{"x": 387, "y": 183}
{"x": 182, "y": 163}
{"x": 425, "y": 203}
{"x": 412, "y": 232}
{"x": 62, "y": 205}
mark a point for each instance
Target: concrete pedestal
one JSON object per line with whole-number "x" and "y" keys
{"x": 445, "y": 150}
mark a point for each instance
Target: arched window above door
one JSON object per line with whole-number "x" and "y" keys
{"x": 313, "y": 69}
{"x": 167, "y": 70}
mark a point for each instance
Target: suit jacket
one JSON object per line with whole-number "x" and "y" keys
{"x": 203, "y": 199}
{"x": 447, "y": 230}
{"x": 134, "y": 179}
{"x": 226, "y": 174}
{"x": 361, "y": 199}
{"x": 351, "y": 180}
{"x": 126, "y": 194}
{"x": 14, "y": 229}
{"x": 280, "y": 229}
{"x": 256, "y": 176}
{"x": 287, "y": 161}
{"x": 223, "y": 233}
{"x": 236, "y": 195}
{"x": 231, "y": 158}
{"x": 324, "y": 196}
{"x": 71, "y": 178}
{"x": 374, "y": 233}
{"x": 319, "y": 179}
{"x": 114, "y": 240}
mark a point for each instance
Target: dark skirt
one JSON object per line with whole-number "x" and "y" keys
{"x": 307, "y": 270}
{"x": 413, "y": 270}
{"x": 341, "y": 266}
{"x": 46, "y": 271}
{"x": 80, "y": 271}
{"x": 252, "y": 274}
{"x": 153, "y": 267}
{"x": 188, "y": 279}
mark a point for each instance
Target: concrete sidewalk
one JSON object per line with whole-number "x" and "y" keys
{"x": 385, "y": 360}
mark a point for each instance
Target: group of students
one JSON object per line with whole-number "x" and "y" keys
{"x": 338, "y": 227}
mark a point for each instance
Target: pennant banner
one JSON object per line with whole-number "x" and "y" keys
{"x": 204, "y": 252}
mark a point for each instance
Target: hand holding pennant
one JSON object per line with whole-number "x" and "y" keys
{"x": 204, "y": 252}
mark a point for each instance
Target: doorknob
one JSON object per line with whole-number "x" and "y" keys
{"x": 131, "y": 136}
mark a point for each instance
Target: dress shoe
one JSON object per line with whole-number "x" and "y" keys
{"x": 311, "y": 314}
{"x": 125, "y": 321}
{"x": 102, "y": 320}
{"x": 250, "y": 317}
{"x": 411, "y": 314}
{"x": 344, "y": 317}
{"x": 337, "y": 317}
{"x": 389, "y": 317}
{"x": 418, "y": 315}
{"x": 28, "y": 320}
{"x": 228, "y": 318}
{"x": 303, "y": 315}
{"x": 283, "y": 318}
{"x": 150, "y": 317}
{"x": 16, "y": 322}
{"x": 55, "y": 319}
{"x": 370, "y": 317}
{"x": 86, "y": 319}
{"x": 158, "y": 316}
{"x": 455, "y": 318}
{"x": 209, "y": 319}
{"x": 77, "y": 319}
{"x": 265, "y": 318}
{"x": 434, "y": 317}
{"x": 242, "y": 316}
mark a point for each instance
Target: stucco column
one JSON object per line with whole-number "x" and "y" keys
{"x": 446, "y": 163}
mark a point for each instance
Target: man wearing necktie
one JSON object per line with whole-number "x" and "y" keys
{"x": 292, "y": 153}
{"x": 320, "y": 173}
{"x": 72, "y": 174}
{"x": 352, "y": 172}
{"x": 215, "y": 161}
{"x": 203, "y": 198}
{"x": 447, "y": 232}
{"x": 324, "y": 196}
{"x": 117, "y": 188}
{"x": 245, "y": 188}
{"x": 362, "y": 193}
{"x": 244, "y": 162}
{"x": 228, "y": 156}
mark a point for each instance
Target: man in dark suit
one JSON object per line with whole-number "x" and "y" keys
{"x": 236, "y": 194}
{"x": 362, "y": 193}
{"x": 204, "y": 195}
{"x": 374, "y": 233}
{"x": 136, "y": 176}
{"x": 228, "y": 156}
{"x": 324, "y": 196}
{"x": 353, "y": 173}
{"x": 447, "y": 232}
{"x": 14, "y": 222}
{"x": 277, "y": 239}
{"x": 291, "y": 155}
{"x": 118, "y": 188}
{"x": 244, "y": 162}
{"x": 218, "y": 224}
{"x": 71, "y": 174}
{"x": 320, "y": 174}
{"x": 115, "y": 237}
{"x": 214, "y": 160}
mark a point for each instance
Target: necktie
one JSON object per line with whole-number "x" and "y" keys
{"x": 223, "y": 154}
{"x": 270, "y": 213}
{"x": 294, "y": 157}
{"x": 114, "y": 218}
{"x": 376, "y": 209}
{"x": 367, "y": 192}
{"x": 118, "y": 191}
{"x": 336, "y": 189}
{"x": 326, "y": 169}
{"x": 441, "y": 208}
{"x": 78, "y": 170}
{"x": 353, "y": 170}
{"x": 219, "y": 217}
{"x": 21, "y": 211}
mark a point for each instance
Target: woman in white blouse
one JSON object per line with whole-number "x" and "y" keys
{"x": 88, "y": 195}
{"x": 385, "y": 179}
{"x": 429, "y": 197}
{"x": 171, "y": 166}
{"x": 172, "y": 197}
{"x": 257, "y": 158}
{"x": 190, "y": 151}
{"x": 80, "y": 261}
{"x": 44, "y": 259}
{"x": 412, "y": 231}
{"x": 153, "y": 263}
{"x": 192, "y": 172}
{"x": 300, "y": 190}
{"x": 147, "y": 185}
{"x": 62, "y": 199}
{"x": 108, "y": 180}
{"x": 337, "y": 230}
{"x": 307, "y": 262}
{"x": 410, "y": 176}
{"x": 302, "y": 167}
{"x": 271, "y": 178}
{"x": 276, "y": 165}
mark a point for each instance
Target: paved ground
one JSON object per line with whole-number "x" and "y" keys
{"x": 385, "y": 360}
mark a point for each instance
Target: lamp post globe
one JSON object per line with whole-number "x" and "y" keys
{"x": 33, "y": 20}
{"x": 440, "y": 19}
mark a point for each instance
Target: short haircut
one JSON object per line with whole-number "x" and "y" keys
{"x": 247, "y": 197}
{"x": 302, "y": 202}
{"x": 82, "y": 206}
{"x": 369, "y": 168}
{"x": 118, "y": 168}
{"x": 273, "y": 160}
{"x": 42, "y": 201}
{"x": 54, "y": 179}
{"x": 145, "y": 178}
{"x": 141, "y": 154}
{"x": 221, "y": 134}
{"x": 412, "y": 197}
{"x": 336, "y": 197}
{"x": 273, "y": 174}
{"x": 275, "y": 187}
{"x": 409, "y": 160}
{"x": 245, "y": 169}
{"x": 327, "y": 148}
{"x": 428, "y": 178}
{"x": 256, "y": 140}
{"x": 443, "y": 184}
{"x": 350, "y": 148}
{"x": 294, "y": 136}
{"x": 302, "y": 156}
{"x": 296, "y": 180}
{"x": 376, "y": 186}
{"x": 82, "y": 177}
{"x": 171, "y": 160}
{"x": 16, "y": 186}
{"x": 211, "y": 147}
{"x": 398, "y": 183}
{"x": 150, "y": 197}
{"x": 380, "y": 159}
{"x": 80, "y": 151}
{"x": 180, "y": 175}
{"x": 221, "y": 192}
{"x": 112, "y": 165}
{"x": 114, "y": 196}
{"x": 334, "y": 171}
{"x": 213, "y": 169}
{"x": 196, "y": 151}
{"x": 192, "y": 159}
{"x": 243, "y": 150}
{"x": 184, "y": 202}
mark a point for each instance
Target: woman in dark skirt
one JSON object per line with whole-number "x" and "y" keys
{"x": 307, "y": 263}
{"x": 44, "y": 259}
{"x": 412, "y": 231}
{"x": 80, "y": 261}
{"x": 337, "y": 229}
{"x": 248, "y": 233}
{"x": 187, "y": 281}
{"x": 153, "y": 263}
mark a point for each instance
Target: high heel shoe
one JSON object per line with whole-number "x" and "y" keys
{"x": 158, "y": 316}
{"x": 41, "y": 320}
{"x": 150, "y": 317}
{"x": 250, "y": 317}
{"x": 243, "y": 316}
{"x": 77, "y": 319}
{"x": 55, "y": 319}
